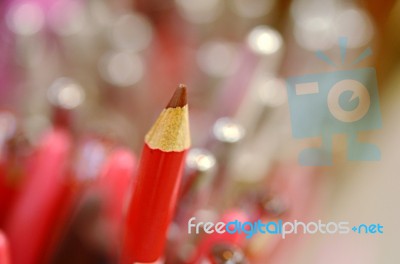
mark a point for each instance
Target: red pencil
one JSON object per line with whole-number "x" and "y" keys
{"x": 13, "y": 157}
{"x": 157, "y": 183}
{"x": 113, "y": 183}
{"x": 4, "y": 251}
{"x": 43, "y": 203}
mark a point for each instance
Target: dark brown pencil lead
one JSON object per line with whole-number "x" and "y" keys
{"x": 179, "y": 99}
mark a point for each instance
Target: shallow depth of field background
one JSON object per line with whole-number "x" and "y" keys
{"x": 105, "y": 69}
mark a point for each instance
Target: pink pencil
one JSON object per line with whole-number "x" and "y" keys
{"x": 114, "y": 183}
{"x": 4, "y": 250}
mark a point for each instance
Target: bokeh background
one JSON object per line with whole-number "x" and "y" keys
{"x": 103, "y": 70}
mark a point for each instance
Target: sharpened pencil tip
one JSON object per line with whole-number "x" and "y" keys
{"x": 179, "y": 99}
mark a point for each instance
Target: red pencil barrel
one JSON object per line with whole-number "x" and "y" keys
{"x": 152, "y": 205}
{"x": 114, "y": 186}
{"x": 4, "y": 250}
{"x": 42, "y": 204}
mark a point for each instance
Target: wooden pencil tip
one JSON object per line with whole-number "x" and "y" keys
{"x": 179, "y": 99}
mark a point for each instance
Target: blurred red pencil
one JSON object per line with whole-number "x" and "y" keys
{"x": 13, "y": 155}
{"x": 4, "y": 250}
{"x": 43, "y": 202}
{"x": 114, "y": 184}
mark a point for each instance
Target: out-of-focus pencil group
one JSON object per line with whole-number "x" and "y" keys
{"x": 97, "y": 162}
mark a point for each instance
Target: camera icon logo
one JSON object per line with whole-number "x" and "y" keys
{"x": 340, "y": 102}
{"x": 358, "y": 91}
